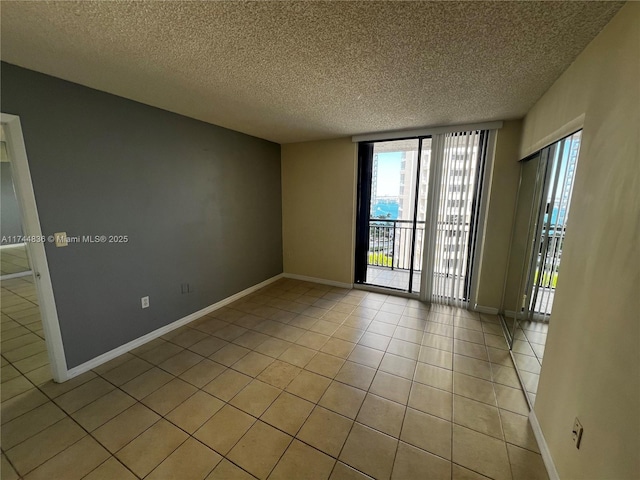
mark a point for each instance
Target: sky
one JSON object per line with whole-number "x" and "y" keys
{"x": 389, "y": 174}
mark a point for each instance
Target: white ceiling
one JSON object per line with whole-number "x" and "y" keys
{"x": 295, "y": 71}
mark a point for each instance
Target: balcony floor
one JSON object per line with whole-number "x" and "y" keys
{"x": 385, "y": 277}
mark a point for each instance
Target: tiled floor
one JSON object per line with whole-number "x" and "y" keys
{"x": 13, "y": 259}
{"x": 528, "y": 350}
{"x": 296, "y": 381}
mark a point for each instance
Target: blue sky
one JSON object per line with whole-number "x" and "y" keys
{"x": 389, "y": 174}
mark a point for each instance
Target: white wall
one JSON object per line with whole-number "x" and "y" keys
{"x": 591, "y": 367}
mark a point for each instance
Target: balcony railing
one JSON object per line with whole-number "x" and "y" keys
{"x": 390, "y": 243}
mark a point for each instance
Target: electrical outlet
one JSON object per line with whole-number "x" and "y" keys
{"x": 145, "y": 302}
{"x": 576, "y": 434}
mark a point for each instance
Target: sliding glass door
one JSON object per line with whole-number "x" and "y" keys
{"x": 418, "y": 206}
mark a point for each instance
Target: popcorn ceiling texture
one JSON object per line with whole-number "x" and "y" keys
{"x": 297, "y": 71}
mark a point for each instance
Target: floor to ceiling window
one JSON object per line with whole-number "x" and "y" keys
{"x": 418, "y": 204}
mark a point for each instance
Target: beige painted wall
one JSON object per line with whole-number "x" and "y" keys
{"x": 318, "y": 208}
{"x": 502, "y": 197}
{"x": 591, "y": 366}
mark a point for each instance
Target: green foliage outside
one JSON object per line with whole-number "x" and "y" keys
{"x": 545, "y": 279}
{"x": 381, "y": 259}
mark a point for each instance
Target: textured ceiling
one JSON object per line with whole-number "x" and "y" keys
{"x": 295, "y": 71}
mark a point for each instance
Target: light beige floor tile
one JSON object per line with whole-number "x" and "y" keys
{"x": 21, "y": 404}
{"x": 367, "y": 356}
{"x": 103, "y": 409}
{"x": 169, "y": 396}
{"x": 188, "y": 337}
{"x": 343, "y": 399}
{"x": 438, "y": 342}
{"x": 228, "y": 471}
{"x": 474, "y": 388}
{"x": 375, "y": 341}
{"x": 518, "y": 431}
{"x": 251, "y": 339}
{"x": 326, "y": 365}
{"x": 123, "y": 428}
{"x": 303, "y": 462}
{"x": 511, "y": 399}
{"x": 208, "y": 346}
{"x": 369, "y": 451}
{"x": 15, "y": 387}
{"x": 9, "y": 373}
{"x": 41, "y": 447}
{"x": 526, "y": 464}
{"x": 472, "y": 366}
{"x": 507, "y": 376}
{"x": 255, "y": 398}
{"x": 470, "y": 349}
{"x": 194, "y": 411}
{"x": 279, "y": 374}
{"x": 224, "y": 429}
{"x": 404, "y": 349}
{"x": 338, "y": 348}
{"x": 259, "y": 449}
{"x": 73, "y": 463}
{"x": 482, "y": 453}
{"x": 325, "y": 430}
{"x": 160, "y": 353}
{"x": 229, "y": 354}
{"x": 345, "y": 472}
{"x": 226, "y": 385}
{"x": 356, "y": 375}
{"x": 382, "y": 414}
{"x": 110, "y": 470}
{"x": 40, "y": 375}
{"x": 349, "y": 334}
{"x": 145, "y": 452}
{"x": 230, "y": 332}
{"x": 288, "y": 413}
{"x": 391, "y": 387}
{"x": 202, "y": 373}
{"x": 461, "y": 473}
{"x": 309, "y": 386}
{"x": 273, "y": 347}
{"x": 83, "y": 395}
{"x": 431, "y": 400}
{"x": 25, "y": 351}
{"x": 477, "y": 416}
{"x": 312, "y": 340}
{"x": 180, "y": 363}
{"x": 111, "y": 364}
{"x": 190, "y": 461}
{"x": 252, "y": 364}
{"x": 29, "y": 424}
{"x": 412, "y": 463}
{"x": 396, "y": 365}
{"x": 434, "y": 376}
{"x": 127, "y": 371}
{"x": 297, "y": 355}
{"x": 427, "y": 432}
{"x": 148, "y": 382}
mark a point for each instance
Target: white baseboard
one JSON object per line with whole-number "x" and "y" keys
{"x": 116, "y": 352}
{"x": 544, "y": 448}
{"x": 487, "y": 310}
{"x": 317, "y": 280}
{"x": 12, "y": 245}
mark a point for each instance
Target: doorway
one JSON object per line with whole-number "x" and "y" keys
{"x": 419, "y": 201}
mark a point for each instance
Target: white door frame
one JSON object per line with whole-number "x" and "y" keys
{"x": 35, "y": 249}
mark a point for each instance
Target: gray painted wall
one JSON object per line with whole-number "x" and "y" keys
{"x": 200, "y": 204}
{"x": 10, "y": 221}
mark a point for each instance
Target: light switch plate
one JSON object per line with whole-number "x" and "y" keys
{"x": 61, "y": 239}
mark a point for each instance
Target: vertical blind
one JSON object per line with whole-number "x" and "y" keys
{"x": 454, "y": 204}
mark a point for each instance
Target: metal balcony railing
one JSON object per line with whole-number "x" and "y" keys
{"x": 390, "y": 243}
